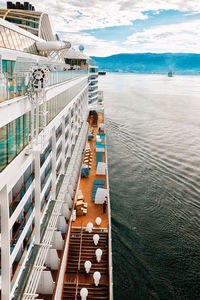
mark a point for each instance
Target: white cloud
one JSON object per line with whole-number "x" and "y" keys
{"x": 183, "y": 37}
{"x": 104, "y": 13}
{"x": 94, "y": 46}
{"x": 76, "y": 15}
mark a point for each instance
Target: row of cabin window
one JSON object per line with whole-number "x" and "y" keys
{"x": 14, "y": 136}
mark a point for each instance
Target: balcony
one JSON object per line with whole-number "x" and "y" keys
{"x": 12, "y": 86}
{"x": 20, "y": 194}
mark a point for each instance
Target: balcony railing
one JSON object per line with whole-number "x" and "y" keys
{"x": 22, "y": 191}
{"x": 46, "y": 198}
{"x": 46, "y": 153}
{"x": 16, "y": 85}
{"x": 18, "y": 266}
{"x": 47, "y": 174}
{"x": 22, "y": 225}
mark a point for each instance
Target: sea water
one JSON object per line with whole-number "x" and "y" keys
{"x": 153, "y": 137}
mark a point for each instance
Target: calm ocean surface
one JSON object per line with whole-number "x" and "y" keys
{"x": 153, "y": 136}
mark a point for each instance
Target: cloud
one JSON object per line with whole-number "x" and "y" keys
{"x": 73, "y": 16}
{"x": 183, "y": 37}
{"x": 94, "y": 46}
{"x": 104, "y": 13}
{"x": 84, "y": 15}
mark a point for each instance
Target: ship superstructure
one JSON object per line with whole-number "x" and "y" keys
{"x": 93, "y": 83}
{"x": 43, "y": 134}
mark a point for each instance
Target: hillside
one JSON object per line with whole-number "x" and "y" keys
{"x": 180, "y": 63}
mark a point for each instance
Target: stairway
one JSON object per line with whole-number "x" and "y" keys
{"x": 87, "y": 253}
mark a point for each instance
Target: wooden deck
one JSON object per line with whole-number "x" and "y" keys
{"x": 81, "y": 246}
{"x": 94, "y": 210}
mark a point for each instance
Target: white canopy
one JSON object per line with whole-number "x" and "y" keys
{"x": 101, "y": 195}
{"x": 101, "y": 168}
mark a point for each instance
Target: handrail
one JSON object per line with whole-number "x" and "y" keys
{"x": 11, "y": 242}
{"x": 23, "y": 186}
{"x": 76, "y": 286}
{"x": 110, "y": 271}
{"x": 79, "y": 258}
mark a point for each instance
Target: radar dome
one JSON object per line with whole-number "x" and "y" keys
{"x": 81, "y": 48}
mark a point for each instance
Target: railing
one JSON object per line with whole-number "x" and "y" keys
{"x": 109, "y": 236}
{"x": 46, "y": 177}
{"x": 22, "y": 224}
{"x": 65, "y": 252}
{"x": 66, "y": 121}
{"x": 45, "y": 155}
{"x": 58, "y": 151}
{"x": 58, "y": 134}
{"x": 22, "y": 257}
{"x": 20, "y": 194}
{"x": 46, "y": 198}
{"x": 79, "y": 258}
{"x": 76, "y": 286}
{"x": 56, "y": 77}
{"x": 16, "y": 85}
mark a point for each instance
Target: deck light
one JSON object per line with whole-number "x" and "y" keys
{"x": 96, "y": 276}
{"x": 98, "y": 221}
{"x": 83, "y": 293}
{"x": 96, "y": 239}
{"x": 98, "y": 254}
{"x": 89, "y": 227}
{"x": 87, "y": 266}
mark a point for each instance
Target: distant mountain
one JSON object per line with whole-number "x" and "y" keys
{"x": 180, "y": 63}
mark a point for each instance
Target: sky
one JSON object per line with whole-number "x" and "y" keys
{"x": 107, "y": 27}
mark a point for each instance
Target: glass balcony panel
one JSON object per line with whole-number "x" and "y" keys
{"x": 17, "y": 233}
{"x": 3, "y": 147}
{"x": 20, "y": 194}
{"x": 26, "y": 128}
{"x": 12, "y": 146}
{"x": 20, "y": 136}
{"x": 22, "y": 255}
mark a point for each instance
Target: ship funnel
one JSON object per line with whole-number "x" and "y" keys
{"x": 98, "y": 254}
{"x": 9, "y": 5}
{"x": 83, "y": 293}
{"x": 96, "y": 239}
{"x": 87, "y": 266}
{"x": 26, "y": 5}
{"x": 97, "y": 277}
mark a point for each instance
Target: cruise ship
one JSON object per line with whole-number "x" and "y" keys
{"x": 55, "y": 217}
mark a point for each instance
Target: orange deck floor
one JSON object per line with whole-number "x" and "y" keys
{"x": 93, "y": 210}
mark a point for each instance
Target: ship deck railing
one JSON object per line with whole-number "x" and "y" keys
{"x": 16, "y": 85}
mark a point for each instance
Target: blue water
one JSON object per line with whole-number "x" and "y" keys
{"x": 153, "y": 136}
